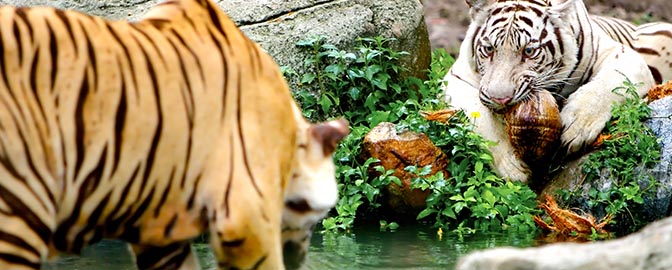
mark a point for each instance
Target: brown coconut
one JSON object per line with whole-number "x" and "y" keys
{"x": 534, "y": 127}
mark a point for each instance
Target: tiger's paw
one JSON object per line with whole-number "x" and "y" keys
{"x": 581, "y": 125}
{"x": 509, "y": 166}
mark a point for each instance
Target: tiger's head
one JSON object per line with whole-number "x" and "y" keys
{"x": 521, "y": 46}
{"x": 312, "y": 190}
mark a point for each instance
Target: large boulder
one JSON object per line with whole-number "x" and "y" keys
{"x": 646, "y": 250}
{"x": 396, "y": 151}
{"x": 277, "y": 25}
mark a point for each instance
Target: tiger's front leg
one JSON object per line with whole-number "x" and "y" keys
{"x": 177, "y": 256}
{"x": 462, "y": 95}
{"x": 587, "y": 110}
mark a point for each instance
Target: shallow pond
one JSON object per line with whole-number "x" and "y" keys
{"x": 410, "y": 247}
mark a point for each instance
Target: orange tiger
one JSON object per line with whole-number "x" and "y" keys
{"x": 154, "y": 132}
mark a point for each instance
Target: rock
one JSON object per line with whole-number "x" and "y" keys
{"x": 648, "y": 249}
{"x": 277, "y": 25}
{"x": 654, "y": 207}
{"x": 396, "y": 151}
{"x": 131, "y": 10}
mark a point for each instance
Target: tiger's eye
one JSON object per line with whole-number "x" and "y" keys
{"x": 530, "y": 51}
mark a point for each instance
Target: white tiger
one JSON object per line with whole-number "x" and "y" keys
{"x": 514, "y": 46}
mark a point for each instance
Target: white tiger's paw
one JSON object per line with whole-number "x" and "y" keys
{"x": 581, "y": 125}
{"x": 509, "y": 166}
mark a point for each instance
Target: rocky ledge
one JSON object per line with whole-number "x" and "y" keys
{"x": 648, "y": 249}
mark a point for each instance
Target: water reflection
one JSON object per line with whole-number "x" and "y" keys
{"x": 410, "y": 247}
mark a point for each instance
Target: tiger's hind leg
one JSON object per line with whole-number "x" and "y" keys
{"x": 20, "y": 247}
{"x": 25, "y": 230}
{"x": 177, "y": 256}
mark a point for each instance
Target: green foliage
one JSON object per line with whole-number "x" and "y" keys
{"x": 473, "y": 198}
{"x": 365, "y": 86}
{"x": 388, "y": 226}
{"x": 631, "y": 145}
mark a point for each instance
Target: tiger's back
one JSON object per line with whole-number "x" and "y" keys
{"x": 653, "y": 41}
{"x": 140, "y": 131}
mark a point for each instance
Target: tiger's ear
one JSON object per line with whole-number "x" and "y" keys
{"x": 476, "y": 6}
{"x": 329, "y": 134}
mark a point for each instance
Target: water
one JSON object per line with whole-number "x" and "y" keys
{"x": 410, "y": 247}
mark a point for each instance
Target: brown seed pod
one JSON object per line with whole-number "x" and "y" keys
{"x": 534, "y": 127}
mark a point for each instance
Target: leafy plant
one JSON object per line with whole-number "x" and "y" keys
{"x": 364, "y": 86}
{"x": 473, "y": 197}
{"x": 629, "y": 145}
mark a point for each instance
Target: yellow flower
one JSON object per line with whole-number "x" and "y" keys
{"x": 439, "y": 233}
{"x": 475, "y": 114}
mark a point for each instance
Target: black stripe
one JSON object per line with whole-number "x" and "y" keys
{"x": 152, "y": 257}
{"x": 159, "y": 112}
{"x": 225, "y": 66}
{"x": 92, "y": 222}
{"x": 259, "y": 262}
{"x": 68, "y": 27}
{"x": 35, "y": 91}
{"x": 229, "y": 179}
{"x": 241, "y": 137}
{"x": 119, "y": 121}
{"x": 53, "y": 52}
{"x": 131, "y": 232}
{"x": 21, "y": 14}
{"x": 113, "y": 224}
{"x": 214, "y": 17}
{"x": 164, "y": 194}
{"x": 168, "y": 229}
{"x": 37, "y": 176}
{"x": 3, "y": 61}
{"x": 16, "y": 260}
{"x": 18, "y": 242}
{"x": 187, "y": 100}
{"x": 17, "y": 38}
{"x": 79, "y": 122}
{"x": 656, "y": 75}
{"x": 527, "y": 21}
{"x": 194, "y": 191}
{"x": 21, "y": 209}
{"x": 87, "y": 188}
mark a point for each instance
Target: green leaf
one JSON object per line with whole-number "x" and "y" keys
{"x": 307, "y": 78}
{"x": 393, "y": 226}
{"x": 325, "y": 103}
{"x": 448, "y": 212}
{"x": 489, "y": 197}
{"x": 354, "y": 92}
{"x": 425, "y": 213}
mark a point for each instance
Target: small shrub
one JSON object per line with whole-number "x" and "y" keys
{"x": 629, "y": 145}
{"x": 473, "y": 197}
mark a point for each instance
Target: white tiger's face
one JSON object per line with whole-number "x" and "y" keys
{"x": 517, "y": 49}
{"x": 312, "y": 190}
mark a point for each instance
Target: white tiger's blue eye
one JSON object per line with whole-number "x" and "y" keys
{"x": 488, "y": 49}
{"x": 529, "y": 51}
